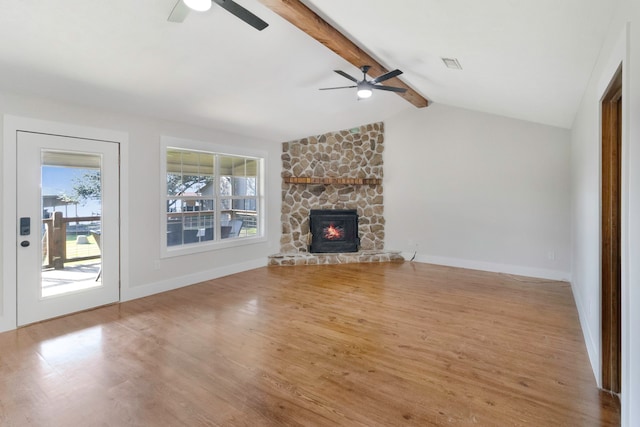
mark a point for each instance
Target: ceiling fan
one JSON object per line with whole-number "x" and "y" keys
{"x": 365, "y": 87}
{"x": 182, "y": 8}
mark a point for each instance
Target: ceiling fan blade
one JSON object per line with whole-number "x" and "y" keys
{"x": 179, "y": 12}
{"x": 339, "y": 87}
{"x": 242, "y": 13}
{"x": 386, "y": 76}
{"x": 389, "y": 88}
{"x": 345, "y": 75}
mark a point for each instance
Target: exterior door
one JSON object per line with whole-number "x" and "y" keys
{"x": 68, "y": 225}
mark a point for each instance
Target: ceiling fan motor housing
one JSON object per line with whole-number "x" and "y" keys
{"x": 365, "y": 87}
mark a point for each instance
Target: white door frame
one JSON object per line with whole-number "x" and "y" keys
{"x": 33, "y": 306}
{"x": 13, "y": 124}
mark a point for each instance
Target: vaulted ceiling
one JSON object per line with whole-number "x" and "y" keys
{"x": 529, "y": 60}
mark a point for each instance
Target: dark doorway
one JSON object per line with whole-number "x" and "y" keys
{"x": 611, "y": 265}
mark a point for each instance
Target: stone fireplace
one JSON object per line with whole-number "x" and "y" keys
{"x": 335, "y": 171}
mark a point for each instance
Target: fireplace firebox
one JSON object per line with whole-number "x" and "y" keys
{"x": 334, "y": 230}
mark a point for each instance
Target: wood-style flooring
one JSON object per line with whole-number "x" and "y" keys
{"x": 387, "y": 344}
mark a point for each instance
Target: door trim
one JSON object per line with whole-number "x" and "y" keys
{"x": 13, "y": 124}
{"x": 33, "y": 305}
{"x": 611, "y": 234}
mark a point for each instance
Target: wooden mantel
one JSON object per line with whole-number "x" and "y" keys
{"x": 329, "y": 181}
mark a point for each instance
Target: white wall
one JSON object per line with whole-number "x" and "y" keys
{"x": 621, "y": 46}
{"x": 141, "y": 216}
{"x": 585, "y": 203}
{"x": 481, "y": 191}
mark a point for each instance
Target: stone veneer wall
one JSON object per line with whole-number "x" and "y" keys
{"x": 343, "y": 154}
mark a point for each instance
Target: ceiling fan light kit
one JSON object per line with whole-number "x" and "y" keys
{"x": 198, "y": 5}
{"x": 364, "y": 92}
{"x": 365, "y": 87}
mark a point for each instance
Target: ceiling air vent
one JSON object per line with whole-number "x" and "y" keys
{"x": 452, "y": 63}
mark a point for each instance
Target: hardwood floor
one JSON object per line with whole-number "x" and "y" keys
{"x": 356, "y": 345}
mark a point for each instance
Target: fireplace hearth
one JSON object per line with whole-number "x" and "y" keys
{"x": 333, "y": 231}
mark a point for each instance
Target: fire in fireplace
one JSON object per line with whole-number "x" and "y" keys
{"x": 333, "y": 230}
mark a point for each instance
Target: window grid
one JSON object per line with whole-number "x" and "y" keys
{"x": 203, "y": 204}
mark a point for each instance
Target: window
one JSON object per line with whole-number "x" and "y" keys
{"x": 212, "y": 199}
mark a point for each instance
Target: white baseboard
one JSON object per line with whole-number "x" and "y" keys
{"x": 492, "y": 267}
{"x": 179, "y": 282}
{"x": 593, "y": 349}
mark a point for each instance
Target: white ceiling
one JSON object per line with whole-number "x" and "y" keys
{"x": 527, "y": 59}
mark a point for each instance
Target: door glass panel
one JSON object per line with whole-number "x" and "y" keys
{"x": 71, "y": 197}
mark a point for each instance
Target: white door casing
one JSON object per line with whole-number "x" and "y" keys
{"x": 31, "y": 305}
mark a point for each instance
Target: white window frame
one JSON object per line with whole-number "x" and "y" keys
{"x": 167, "y": 142}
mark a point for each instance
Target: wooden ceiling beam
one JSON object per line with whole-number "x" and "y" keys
{"x": 311, "y": 23}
